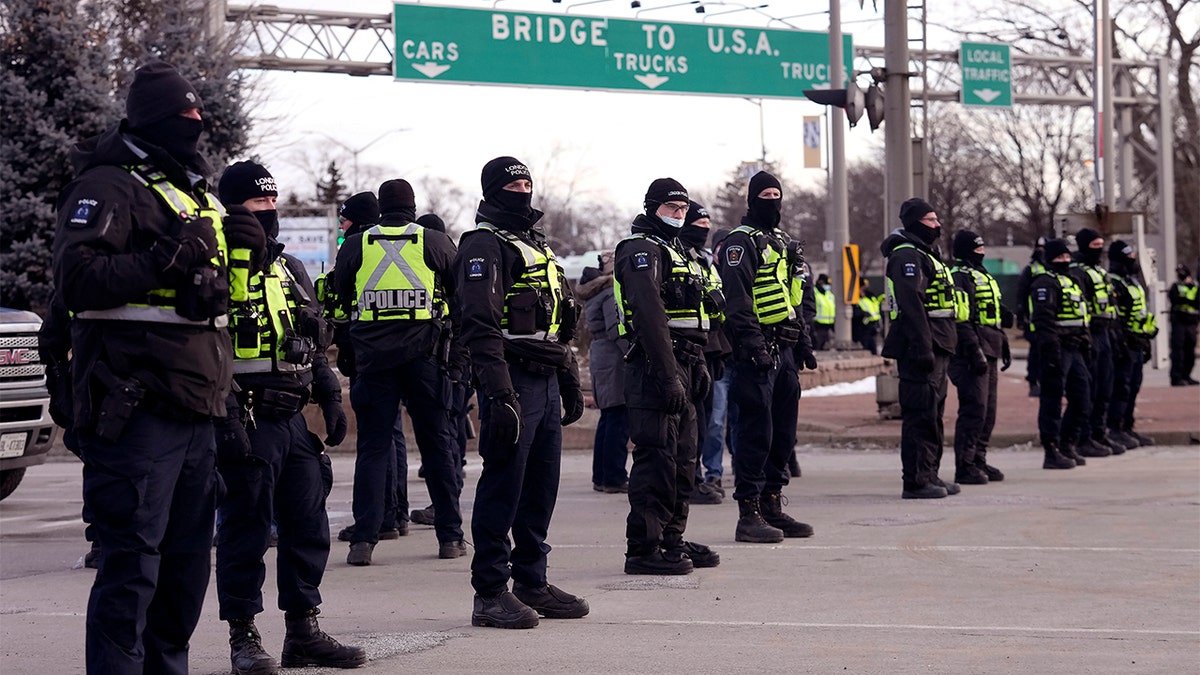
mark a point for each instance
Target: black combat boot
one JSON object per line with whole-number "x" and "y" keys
{"x": 305, "y": 644}
{"x": 1069, "y": 451}
{"x": 771, "y": 506}
{"x": 1054, "y": 459}
{"x": 551, "y": 601}
{"x": 1089, "y": 448}
{"x": 1101, "y": 439}
{"x": 751, "y": 527}
{"x": 246, "y": 652}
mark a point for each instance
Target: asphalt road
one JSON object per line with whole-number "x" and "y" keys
{"x": 1093, "y": 570}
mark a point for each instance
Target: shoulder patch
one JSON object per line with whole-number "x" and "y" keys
{"x": 476, "y": 269}
{"x": 85, "y": 210}
{"x": 910, "y": 269}
{"x": 641, "y": 260}
{"x": 733, "y": 255}
{"x": 1043, "y": 295}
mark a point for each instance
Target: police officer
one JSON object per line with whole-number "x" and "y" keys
{"x": 660, "y": 293}
{"x": 142, "y": 258}
{"x": 1138, "y": 328}
{"x": 1058, "y": 320}
{"x": 826, "y": 313}
{"x": 274, "y": 468}
{"x": 1035, "y": 267}
{"x": 1185, "y": 315}
{"x": 756, "y": 263}
{"x": 517, "y": 318}
{"x": 1102, "y": 314}
{"x": 921, "y": 338}
{"x": 694, "y": 236}
{"x": 399, "y": 274}
{"x": 981, "y": 343}
{"x": 867, "y": 318}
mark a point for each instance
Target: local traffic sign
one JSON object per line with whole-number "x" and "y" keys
{"x": 451, "y": 44}
{"x": 986, "y": 74}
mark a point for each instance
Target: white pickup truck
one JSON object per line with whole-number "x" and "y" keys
{"x": 26, "y": 430}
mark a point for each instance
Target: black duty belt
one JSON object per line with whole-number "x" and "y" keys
{"x": 687, "y": 351}
{"x": 530, "y": 366}
{"x": 783, "y": 334}
{"x": 276, "y": 402}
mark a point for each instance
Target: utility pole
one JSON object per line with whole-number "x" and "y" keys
{"x": 897, "y": 101}
{"x": 837, "y": 229}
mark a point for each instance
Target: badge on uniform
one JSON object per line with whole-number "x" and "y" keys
{"x": 910, "y": 269}
{"x": 85, "y": 209}
{"x": 733, "y": 255}
{"x": 1043, "y": 295}
{"x": 475, "y": 268}
{"x": 641, "y": 260}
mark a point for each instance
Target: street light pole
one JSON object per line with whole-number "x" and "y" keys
{"x": 355, "y": 152}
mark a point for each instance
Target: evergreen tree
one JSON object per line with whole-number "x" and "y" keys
{"x": 332, "y": 190}
{"x": 56, "y": 87}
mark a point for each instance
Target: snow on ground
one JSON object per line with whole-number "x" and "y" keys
{"x": 863, "y": 386}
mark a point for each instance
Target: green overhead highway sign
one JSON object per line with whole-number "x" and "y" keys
{"x": 450, "y": 44}
{"x": 986, "y": 74}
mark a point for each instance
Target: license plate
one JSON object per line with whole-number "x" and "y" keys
{"x": 12, "y": 445}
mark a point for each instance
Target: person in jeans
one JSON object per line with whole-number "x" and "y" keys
{"x": 605, "y": 362}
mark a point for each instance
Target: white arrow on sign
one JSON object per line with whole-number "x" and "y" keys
{"x": 651, "y": 80}
{"x": 986, "y": 95}
{"x": 430, "y": 69}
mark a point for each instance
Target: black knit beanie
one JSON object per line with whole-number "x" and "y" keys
{"x": 361, "y": 209}
{"x": 500, "y": 172}
{"x": 965, "y": 243}
{"x": 696, "y": 211}
{"x": 913, "y": 210}
{"x": 431, "y": 221}
{"x": 1055, "y": 248}
{"x": 664, "y": 190}
{"x": 396, "y": 195}
{"x": 245, "y": 180}
{"x": 157, "y": 92}
{"x": 1085, "y": 237}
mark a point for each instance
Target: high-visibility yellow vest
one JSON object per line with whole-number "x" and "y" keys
{"x": 394, "y": 282}
{"x": 870, "y": 307}
{"x": 987, "y": 295}
{"x": 940, "y": 300}
{"x": 772, "y": 280}
{"x": 539, "y": 288}
{"x": 682, "y": 291}
{"x": 327, "y": 296}
{"x": 826, "y": 307}
{"x": 714, "y": 294}
{"x": 159, "y": 304}
{"x": 1138, "y": 319}
{"x": 1187, "y": 293}
{"x": 1072, "y": 311}
{"x": 259, "y": 325}
{"x": 1100, "y": 303}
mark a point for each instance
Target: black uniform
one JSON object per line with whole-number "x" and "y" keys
{"x": 1185, "y": 315}
{"x": 1024, "y": 280}
{"x": 921, "y": 344}
{"x": 1063, "y": 341}
{"x": 520, "y": 366}
{"x": 402, "y": 360}
{"x": 665, "y": 375}
{"x": 147, "y": 380}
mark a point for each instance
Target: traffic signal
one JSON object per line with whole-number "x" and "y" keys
{"x": 851, "y": 99}
{"x": 874, "y": 105}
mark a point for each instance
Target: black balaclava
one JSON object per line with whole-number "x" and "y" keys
{"x": 431, "y": 221}
{"x": 1055, "y": 248}
{"x": 243, "y": 181}
{"x": 500, "y": 172}
{"x": 156, "y": 98}
{"x": 965, "y": 243}
{"x": 1182, "y": 272}
{"x": 1120, "y": 258}
{"x": 1039, "y": 249}
{"x": 765, "y": 213}
{"x": 911, "y": 213}
{"x": 1087, "y": 254}
{"x": 691, "y": 234}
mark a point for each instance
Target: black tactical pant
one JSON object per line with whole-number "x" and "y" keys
{"x": 762, "y": 413}
{"x": 283, "y": 479}
{"x": 1100, "y": 368}
{"x": 1072, "y": 378}
{"x": 151, "y": 495}
{"x": 922, "y": 405}
{"x": 1183, "y": 349}
{"x": 517, "y": 489}
{"x": 976, "y": 412}
{"x": 376, "y": 397}
{"x": 664, "y": 458}
{"x": 1127, "y": 385}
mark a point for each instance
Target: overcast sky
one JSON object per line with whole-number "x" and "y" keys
{"x": 611, "y": 144}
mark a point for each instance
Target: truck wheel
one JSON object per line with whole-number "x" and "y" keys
{"x": 9, "y": 480}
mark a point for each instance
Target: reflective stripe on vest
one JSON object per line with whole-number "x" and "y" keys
{"x": 712, "y": 285}
{"x": 1139, "y": 320}
{"x": 772, "y": 280}
{"x": 940, "y": 301}
{"x": 159, "y": 304}
{"x": 1187, "y": 295}
{"x": 542, "y": 277}
{"x": 987, "y": 295}
{"x": 1100, "y": 303}
{"x": 393, "y": 281}
{"x": 1072, "y": 310}
{"x": 870, "y": 307}
{"x": 826, "y": 307}
{"x": 684, "y": 273}
{"x": 260, "y": 323}
{"x": 328, "y": 298}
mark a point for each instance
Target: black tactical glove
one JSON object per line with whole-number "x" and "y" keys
{"x": 176, "y": 256}
{"x": 327, "y": 392}
{"x": 242, "y": 230}
{"x": 809, "y": 360}
{"x": 675, "y": 397}
{"x": 504, "y": 427}
{"x": 717, "y": 369}
{"x": 701, "y": 382}
{"x": 572, "y": 400}
{"x": 762, "y": 360}
{"x": 979, "y": 364}
{"x": 233, "y": 443}
{"x": 1005, "y": 357}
